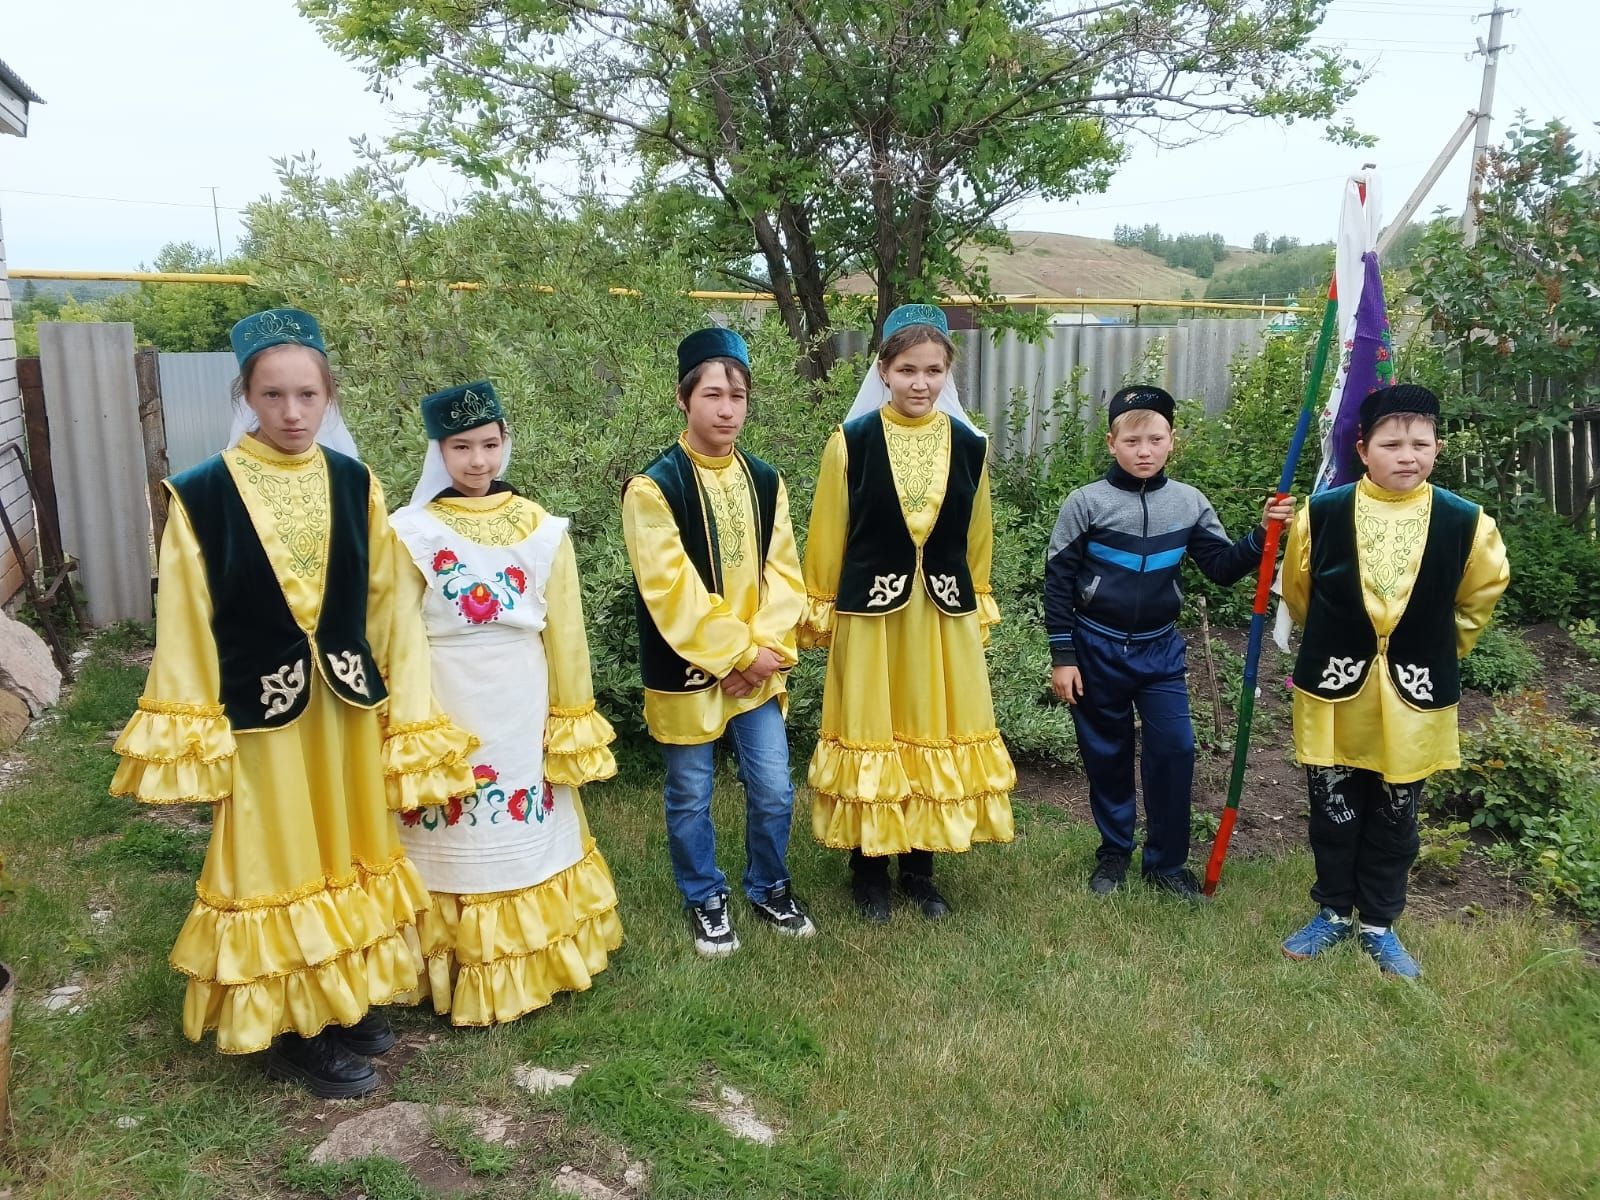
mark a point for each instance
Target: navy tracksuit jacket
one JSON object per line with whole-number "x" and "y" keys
{"x": 1111, "y": 602}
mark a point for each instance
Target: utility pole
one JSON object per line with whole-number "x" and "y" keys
{"x": 1480, "y": 142}
{"x": 217, "y": 221}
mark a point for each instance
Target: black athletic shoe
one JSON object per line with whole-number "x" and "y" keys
{"x": 872, "y": 897}
{"x": 1110, "y": 870}
{"x": 322, "y": 1066}
{"x": 368, "y": 1037}
{"x": 924, "y": 895}
{"x": 1180, "y": 883}
{"x": 785, "y": 914}
{"x": 712, "y": 928}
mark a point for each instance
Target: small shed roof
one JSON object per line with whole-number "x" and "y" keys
{"x": 14, "y": 81}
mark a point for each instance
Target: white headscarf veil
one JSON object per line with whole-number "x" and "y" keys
{"x": 873, "y": 393}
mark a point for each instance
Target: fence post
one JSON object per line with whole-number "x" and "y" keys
{"x": 152, "y": 425}
{"x": 36, "y": 424}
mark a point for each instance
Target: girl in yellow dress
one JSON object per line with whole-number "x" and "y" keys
{"x": 523, "y": 905}
{"x": 908, "y": 761}
{"x": 290, "y": 691}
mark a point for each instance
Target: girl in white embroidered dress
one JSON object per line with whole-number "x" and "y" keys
{"x": 523, "y": 902}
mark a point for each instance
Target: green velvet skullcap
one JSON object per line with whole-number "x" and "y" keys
{"x": 274, "y": 327}
{"x": 715, "y": 342}
{"x": 458, "y": 409}
{"x": 915, "y": 314}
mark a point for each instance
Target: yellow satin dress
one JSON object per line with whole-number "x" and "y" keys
{"x": 1376, "y": 729}
{"x": 908, "y": 756}
{"x": 305, "y": 912}
{"x": 495, "y": 956}
{"x": 717, "y": 633}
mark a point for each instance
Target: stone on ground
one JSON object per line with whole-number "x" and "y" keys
{"x": 26, "y": 667}
{"x": 402, "y": 1130}
{"x": 733, "y": 1110}
{"x": 541, "y": 1081}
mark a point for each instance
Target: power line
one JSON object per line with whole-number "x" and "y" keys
{"x": 115, "y": 199}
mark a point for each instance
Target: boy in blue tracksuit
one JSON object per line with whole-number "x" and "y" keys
{"x": 1111, "y": 601}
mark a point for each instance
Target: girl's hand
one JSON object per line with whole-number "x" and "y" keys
{"x": 1067, "y": 684}
{"x": 1278, "y": 510}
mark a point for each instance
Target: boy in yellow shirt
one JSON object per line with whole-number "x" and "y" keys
{"x": 1376, "y": 693}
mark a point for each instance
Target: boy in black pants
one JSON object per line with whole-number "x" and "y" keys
{"x": 1393, "y": 580}
{"x": 1111, "y": 601}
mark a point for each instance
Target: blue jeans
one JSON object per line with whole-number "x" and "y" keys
{"x": 1121, "y": 673}
{"x": 762, "y": 747}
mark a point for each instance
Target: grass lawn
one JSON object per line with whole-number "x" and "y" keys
{"x": 1039, "y": 1044}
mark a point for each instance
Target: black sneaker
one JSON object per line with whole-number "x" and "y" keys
{"x": 1180, "y": 883}
{"x": 712, "y": 928}
{"x": 1110, "y": 870}
{"x": 785, "y": 914}
{"x": 871, "y": 894}
{"x": 369, "y": 1037}
{"x": 924, "y": 895}
{"x": 321, "y": 1065}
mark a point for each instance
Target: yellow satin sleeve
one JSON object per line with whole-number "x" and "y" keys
{"x": 700, "y": 626}
{"x": 1483, "y": 582}
{"x": 1294, "y": 580}
{"x": 424, "y": 752}
{"x": 178, "y": 747}
{"x": 577, "y": 738}
{"x": 784, "y": 601}
{"x": 980, "y": 554}
{"x": 830, "y": 518}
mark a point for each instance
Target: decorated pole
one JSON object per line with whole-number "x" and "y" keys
{"x": 1355, "y": 316}
{"x": 1258, "y": 619}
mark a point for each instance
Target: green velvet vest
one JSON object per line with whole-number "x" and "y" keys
{"x": 267, "y": 660}
{"x": 1340, "y": 644}
{"x": 662, "y": 668}
{"x": 880, "y": 558}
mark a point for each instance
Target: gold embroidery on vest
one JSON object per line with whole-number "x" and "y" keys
{"x": 915, "y": 455}
{"x": 729, "y": 496}
{"x": 297, "y": 499}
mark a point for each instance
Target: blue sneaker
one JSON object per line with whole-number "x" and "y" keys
{"x": 1385, "y": 950}
{"x": 1323, "y": 932}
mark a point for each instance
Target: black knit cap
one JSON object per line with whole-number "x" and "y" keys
{"x": 1142, "y": 396}
{"x": 1400, "y": 398}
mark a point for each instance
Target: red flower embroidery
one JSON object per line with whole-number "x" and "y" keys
{"x": 444, "y": 560}
{"x": 478, "y": 604}
{"x": 452, "y": 812}
{"x": 517, "y": 578}
{"x": 483, "y": 773}
{"x": 414, "y": 817}
{"x": 549, "y": 797}
{"x": 518, "y": 807}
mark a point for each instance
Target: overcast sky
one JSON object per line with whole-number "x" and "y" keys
{"x": 150, "y": 104}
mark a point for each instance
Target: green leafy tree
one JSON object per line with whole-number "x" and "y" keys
{"x": 1520, "y": 310}
{"x": 181, "y": 317}
{"x": 807, "y": 139}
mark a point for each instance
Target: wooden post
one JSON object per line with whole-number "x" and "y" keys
{"x": 1211, "y": 667}
{"x": 36, "y": 423}
{"x": 154, "y": 427}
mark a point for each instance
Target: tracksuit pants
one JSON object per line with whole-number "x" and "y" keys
{"x": 1123, "y": 673}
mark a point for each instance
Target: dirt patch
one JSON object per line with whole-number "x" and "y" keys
{"x": 1273, "y": 810}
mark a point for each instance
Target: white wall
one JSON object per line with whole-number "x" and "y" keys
{"x": 13, "y": 488}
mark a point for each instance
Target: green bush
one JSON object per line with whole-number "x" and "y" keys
{"x": 1533, "y": 779}
{"x": 1500, "y": 662}
{"x": 1555, "y": 570}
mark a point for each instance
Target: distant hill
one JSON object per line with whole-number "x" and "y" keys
{"x": 93, "y": 289}
{"x": 1063, "y": 264}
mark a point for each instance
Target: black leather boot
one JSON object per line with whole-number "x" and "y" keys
{"x": 368, "y": 1037}
{"x": 321, "y": 1065}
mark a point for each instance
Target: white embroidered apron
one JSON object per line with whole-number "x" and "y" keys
{"x": 485, "y": 616}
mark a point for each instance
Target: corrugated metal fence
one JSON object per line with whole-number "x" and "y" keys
{"x": 1196, "y": 359}
{"x": 195, "y": 406}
